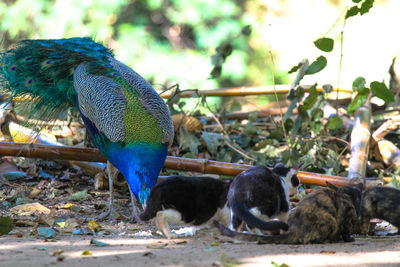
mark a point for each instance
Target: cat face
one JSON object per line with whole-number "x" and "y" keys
{"x": 289, "y": 175}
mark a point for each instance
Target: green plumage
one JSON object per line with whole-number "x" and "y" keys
{"x": 45, "y": 68}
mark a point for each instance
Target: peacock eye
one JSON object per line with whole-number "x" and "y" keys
{"x": 13, "y": 68}
{"x": 28, "y": 82}
{"x": 28, "y": 58}
{"x": 48, "y": 62}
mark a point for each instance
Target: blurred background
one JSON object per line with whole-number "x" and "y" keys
{"x": 172, "y": 42}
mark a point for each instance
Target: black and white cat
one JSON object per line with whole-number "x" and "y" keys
{"x": 260, "y": 194}
{"x": 187, "y": 200}
{"x": 326, "y": 215}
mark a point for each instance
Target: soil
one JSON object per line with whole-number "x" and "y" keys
{"x": 67, "y": 205}
{"x": 138, "y": 245}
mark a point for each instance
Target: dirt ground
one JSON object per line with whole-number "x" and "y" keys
{"x": 138, "y": 245}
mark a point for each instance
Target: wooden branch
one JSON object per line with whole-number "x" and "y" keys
{"x": 390, "y": 153}
{"x": 243, "y": 91}
{"x": 360, "y": 137}
{"x": 385, "y": 128}
{"x": 176, "y": 163}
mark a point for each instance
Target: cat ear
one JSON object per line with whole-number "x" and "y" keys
{"x": 278, "y": 168}
{"x": 298, "y": 166}
{"x": 331, "y": 186}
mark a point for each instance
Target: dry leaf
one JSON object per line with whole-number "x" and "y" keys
{"x": 29, "y": 209}
{"x": 86, "y": 253}
{"x": 191, "y": 123}
{"x": 157, "y": 245}
{"x": 327, "y": 252}
{"x": 94, "y": 226}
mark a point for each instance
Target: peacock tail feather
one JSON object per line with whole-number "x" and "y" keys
{"x": 128, "y": 120}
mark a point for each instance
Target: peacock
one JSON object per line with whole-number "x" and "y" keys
{"x": 128, "y": 121}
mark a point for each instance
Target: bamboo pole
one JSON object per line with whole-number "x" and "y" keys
{"x": 244, "y": 91}
{"x": 360, "y": 137}
{"x": 195, "y": 165}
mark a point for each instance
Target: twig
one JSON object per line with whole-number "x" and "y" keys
{"x": 226, "y": 138}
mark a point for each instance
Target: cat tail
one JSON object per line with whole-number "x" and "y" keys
{"x": 252, "y": 221}
{"x": 261, "y": 239}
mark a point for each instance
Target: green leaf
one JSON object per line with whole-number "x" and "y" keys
{"x": 316, "y": 127}
{"x": 213, "y": 141}
{"x": 317, "y": 114}
{"x": 297, "y": 125}
{"x": 359, "y": 84}
{"x": 353, "y": 11}
{"x": 289, "y": 111}
{"x": 318, "y": 65}
{"x": 324, "y": 44}
{"x": 380, "y": 90}
{"x": 356, "y": 1}
{"x": 357, "y": 102}
{"x": 311, "y": 98}
{"x": 188, "y": 140}
{"x": 6, "y": 225}
{"x": 366, "y": 6}
{"x": 334, "y": 123}
{"x": 78, "y": 196}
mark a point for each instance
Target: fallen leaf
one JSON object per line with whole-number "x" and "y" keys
{"x": 48, "y": 219}
{"x": 214, "y": 244}
{"x": 29, "y": 209}
{"x": 46, "y": 232}
{"x": 71, "y": 224}
{"x": 11, "y": 176}
{"x": 279, "y": 265}
{"x": 86, "y": 253}
{"x": 58, "y": 252}
{"x": 35, "y": 192}
{"x": 228, "y": 261}
{"x": 6, "y": 225}
{"x": 94, "y": 226}
{"x": 78, "y": 196}
{"x": 180, "y": 242}
{"x": 157, "y": 245}
{"x": 149, "y": 254}
{"x": 327, "y": 252}
{"x": 98, "y": 243}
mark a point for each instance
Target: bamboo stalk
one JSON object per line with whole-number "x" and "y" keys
{"x": 244, "y": 91}
{"x": 184, "y": 164}
{"x": 245, "y": 115}
{"x": 360, "y": 137}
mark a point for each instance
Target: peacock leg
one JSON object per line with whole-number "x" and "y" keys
{"x": 112, "y": 173}
{"x": 135, "y": 209}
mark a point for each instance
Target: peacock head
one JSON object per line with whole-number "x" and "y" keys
{"x": 141, "y": 163}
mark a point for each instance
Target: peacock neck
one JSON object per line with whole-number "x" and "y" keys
{"x": 140, "y": 163}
